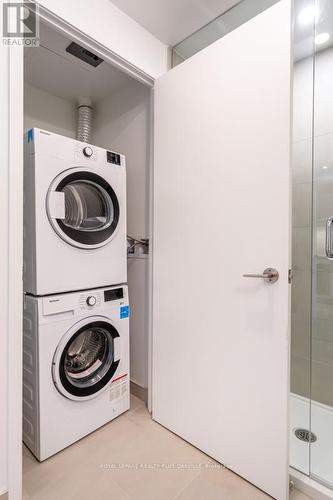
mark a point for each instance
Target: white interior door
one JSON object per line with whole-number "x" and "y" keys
{"x": 222, "y": 209}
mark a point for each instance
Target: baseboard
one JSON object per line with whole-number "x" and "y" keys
{"x": 139, "y": 391}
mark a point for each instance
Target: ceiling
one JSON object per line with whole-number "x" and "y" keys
{"x": 51, "y": 68}
{"x": 173, "y": 20}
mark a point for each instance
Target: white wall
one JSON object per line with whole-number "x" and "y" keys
{"x": 138, "y": 269}
{"x": 48, "y": 112}
{"x": 11, "y": 200}
{"x": 107, "y": 24}
{"x": 3, "y": 268}
{"x": 123, "y": 123}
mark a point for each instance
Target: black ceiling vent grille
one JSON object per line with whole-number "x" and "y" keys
{"x": 84, "y": 54}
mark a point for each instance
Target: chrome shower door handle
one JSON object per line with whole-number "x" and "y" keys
{"x": 270, "y": 275}
{"x": 329, "y": 248}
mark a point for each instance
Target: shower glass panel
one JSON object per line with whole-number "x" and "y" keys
{"x": 301, "y": 292}
{"x": 321, "y": 456}
{"x": 312, "y": 291}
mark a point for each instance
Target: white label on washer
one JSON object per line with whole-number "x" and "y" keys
{"x": 119, "y": 388}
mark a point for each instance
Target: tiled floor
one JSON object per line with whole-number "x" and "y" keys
{"x": 148, "y": 463}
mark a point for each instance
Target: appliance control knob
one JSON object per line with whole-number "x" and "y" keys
{"x": 87, "y": 151}
{"x": 91, "y": 300}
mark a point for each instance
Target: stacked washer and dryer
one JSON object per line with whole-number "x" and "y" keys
{"x": 76, "y": 325}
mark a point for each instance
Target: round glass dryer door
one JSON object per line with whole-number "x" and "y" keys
{"x": 83, "y": 209}
{"x": 86, "y": 359}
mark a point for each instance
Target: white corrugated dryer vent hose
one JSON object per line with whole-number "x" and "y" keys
{"x": 84, "y": 125}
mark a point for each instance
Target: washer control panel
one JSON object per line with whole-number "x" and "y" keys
{"x": 113, "y": 294}
{"x": 78, "y": 303}
{"x": 90, "y": 300}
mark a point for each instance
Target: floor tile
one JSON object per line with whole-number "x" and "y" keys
{"x": 297, "y": 495}
{"x": 153, "y": 464}
{"x": 133, "y": 458}
{"x": 154, "y": 484}
{"x": 220, "y": 484}
{"x": 138, "y": 404}
{"x": 73, "y": 486}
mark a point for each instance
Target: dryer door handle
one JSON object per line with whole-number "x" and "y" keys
{"x": 56, "y": 205}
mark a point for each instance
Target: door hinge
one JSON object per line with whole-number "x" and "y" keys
{"x": 290, "y": 276}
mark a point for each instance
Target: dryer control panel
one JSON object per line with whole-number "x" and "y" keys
{"x": 114, "y": 158}
{"x": 113, "y": 294}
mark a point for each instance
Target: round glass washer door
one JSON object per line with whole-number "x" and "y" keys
{"x": 91, "y": 209}
{"x": 86, "y": 359}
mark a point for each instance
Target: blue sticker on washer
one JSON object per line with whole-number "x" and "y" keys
{"x": 124, "y": 312}
{"x": 30, "y": 135}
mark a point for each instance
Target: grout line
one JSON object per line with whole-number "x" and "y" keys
{"x": 125, "y": 492}
{"x": 186, "y": 485}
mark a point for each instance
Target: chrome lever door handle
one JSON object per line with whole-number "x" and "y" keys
{"x": 270, "y": 275}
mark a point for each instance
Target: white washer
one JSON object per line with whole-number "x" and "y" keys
{"x": 75, "y": 366}
{"x": 74, "y": 215}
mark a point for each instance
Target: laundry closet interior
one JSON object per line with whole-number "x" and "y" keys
{"x": 55, "y": 83}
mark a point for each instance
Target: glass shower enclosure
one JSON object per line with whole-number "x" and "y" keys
{"x": 311, "y": 420}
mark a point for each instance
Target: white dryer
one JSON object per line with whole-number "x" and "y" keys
{"x": 75, "y": 366}
{"x": 74, "y": 215}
